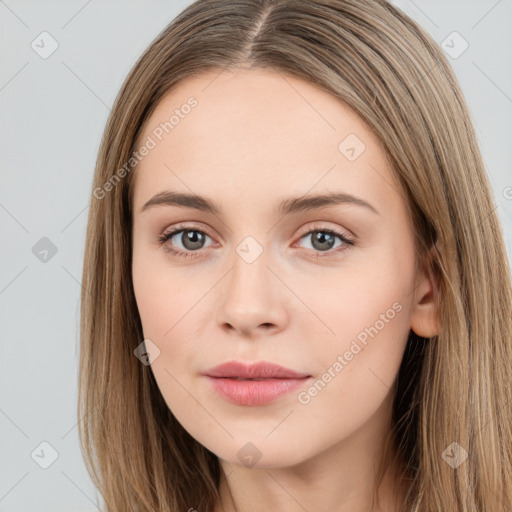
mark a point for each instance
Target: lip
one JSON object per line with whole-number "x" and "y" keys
{"x": 267, "y": 382}
{"x": 258, "y": 370}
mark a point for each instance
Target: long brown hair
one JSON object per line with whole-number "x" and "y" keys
{"x": 455, "y": 387}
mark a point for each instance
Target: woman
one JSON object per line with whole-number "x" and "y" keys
{"x": 297, "y": 295}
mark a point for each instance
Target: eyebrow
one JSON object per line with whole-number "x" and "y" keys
{"x": 288, "y": 206}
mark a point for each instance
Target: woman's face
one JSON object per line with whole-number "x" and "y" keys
{"x": 259, "y": 278}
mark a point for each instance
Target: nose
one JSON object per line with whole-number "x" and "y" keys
{"x": 252, "y": 299}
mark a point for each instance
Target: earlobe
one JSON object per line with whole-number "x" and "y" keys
{"x": 425, "y": 320}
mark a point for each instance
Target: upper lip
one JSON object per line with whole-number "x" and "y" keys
{"x": 259, "y": 370}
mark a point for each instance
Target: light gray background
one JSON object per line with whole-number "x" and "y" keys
{"x": 53, "y": 112}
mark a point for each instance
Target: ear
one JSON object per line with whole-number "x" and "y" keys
{"x": 425, "y": 321}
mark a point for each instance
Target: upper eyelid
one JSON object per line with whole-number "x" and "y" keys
{"x": 179, "y": 228}
{"x": 340, "y": 231}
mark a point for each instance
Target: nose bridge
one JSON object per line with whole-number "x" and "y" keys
{"x": 250, "y": 296}
{"x": 249, "y": 277}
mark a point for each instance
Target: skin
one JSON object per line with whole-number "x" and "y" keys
{"x": 254, "y": 139}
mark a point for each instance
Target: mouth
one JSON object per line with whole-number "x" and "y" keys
{"x": 254, "y": 384}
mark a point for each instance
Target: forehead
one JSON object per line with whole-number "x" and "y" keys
{"x": 254, "y": 132}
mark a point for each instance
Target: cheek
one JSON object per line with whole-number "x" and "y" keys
{"x": 357, "y": 365}
{"x": 161, "y": 293}
{"x": 172, "y": 304}
{"x": 166, "y": 311}
{"x": 366, "y": 308}
{"x": 370, "y": 292}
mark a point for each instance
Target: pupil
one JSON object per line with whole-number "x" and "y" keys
{"x": 192, "y": 239}
{"x": 322, "y": 240}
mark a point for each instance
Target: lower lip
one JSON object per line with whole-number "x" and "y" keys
{"x": 254, "y": 392}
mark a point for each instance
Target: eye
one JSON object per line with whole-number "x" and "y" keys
{"x": 191, "y": 240}
{"x": 185, "y": 241}
{"x": 323, "y": 240}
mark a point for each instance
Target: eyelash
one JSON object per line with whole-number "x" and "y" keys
{"x": 162, "y": 239}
